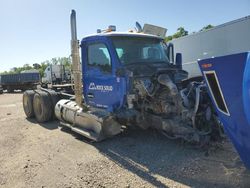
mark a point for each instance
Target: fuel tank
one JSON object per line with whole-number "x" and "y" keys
{"x": 228, "y": 80}
{"x": 94, "y": 124}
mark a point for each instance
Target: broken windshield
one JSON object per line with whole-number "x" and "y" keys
{"x": 134, "y": 49}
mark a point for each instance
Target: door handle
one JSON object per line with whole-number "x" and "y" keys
{"x": 90, "y": 95}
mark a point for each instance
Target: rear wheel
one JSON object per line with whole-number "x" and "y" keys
{"x": 54, "y": 99}
{"x": 28, "y": 103}
{"x": 10, "y": 89}
{"x": 42, "y": 105}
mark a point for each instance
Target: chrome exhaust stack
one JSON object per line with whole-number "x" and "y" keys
{"x": 76, "y": 66}
{"x": 94, "y": 124}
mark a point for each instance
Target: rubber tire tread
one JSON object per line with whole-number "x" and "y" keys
{"x": 28, "y": 108}
{"x": 42, "y": 106}
{"x": 54, "y": 99}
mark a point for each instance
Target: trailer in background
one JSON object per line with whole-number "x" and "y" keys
{"x": 20, "y": 81}
{"x": 229, "y": 38}
{"x": 56, "y": 74}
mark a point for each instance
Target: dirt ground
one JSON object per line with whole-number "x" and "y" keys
{"x": 47, "y": 155}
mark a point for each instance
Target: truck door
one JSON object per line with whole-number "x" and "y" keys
{"x": 102, "y": 88}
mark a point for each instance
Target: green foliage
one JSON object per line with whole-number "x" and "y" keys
{"x": 168, "y": 38}
{"x": 66, "y": 61}
{"x": 209, "y": 26}
{"x": 44, "y": 65}
{"x": 182, "y": 32}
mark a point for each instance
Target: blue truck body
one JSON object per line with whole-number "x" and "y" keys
{"x": 109, "y": 90}
{"x": 228, "y": 79}
{"x": 133, "y": 79}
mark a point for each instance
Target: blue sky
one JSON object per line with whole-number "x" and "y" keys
{"x": 32, "y": 31}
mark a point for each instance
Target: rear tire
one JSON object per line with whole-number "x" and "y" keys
{"x": 43, "y": 108}
{"x": 28, "y": 103}
{"x": 10, "y": 89}
{"x": 54, "y": 99}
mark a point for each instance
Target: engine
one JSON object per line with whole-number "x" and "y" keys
{"x": 159, "y": 96}
{"x": 163, "y": 102}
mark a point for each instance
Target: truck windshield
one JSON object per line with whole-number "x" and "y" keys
{"x": 134, "y": 49}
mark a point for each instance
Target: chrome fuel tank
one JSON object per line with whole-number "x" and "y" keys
{"x": 94, "y": 124}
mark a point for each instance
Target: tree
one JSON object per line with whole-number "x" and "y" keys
{"x": 209, "y": 26}
{"x": 43, "y": 66}
{"x": 36, "y": 66}
{"x": 182, "y": 32}
{"x": 65, "y": 61}
{"x": 168, "y": 38}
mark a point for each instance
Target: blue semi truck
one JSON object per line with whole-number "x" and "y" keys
{"x": 129, "y": 79}
{"x": 19, "y": 81}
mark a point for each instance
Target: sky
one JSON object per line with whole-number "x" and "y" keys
{"x": 32, "y": 31}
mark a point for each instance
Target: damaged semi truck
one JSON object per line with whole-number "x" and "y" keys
{"x": 128, "y": 79}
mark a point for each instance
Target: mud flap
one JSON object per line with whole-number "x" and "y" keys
{"x": 228, "y": 79}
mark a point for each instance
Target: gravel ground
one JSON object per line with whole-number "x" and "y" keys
{"x": 46, "y": 155}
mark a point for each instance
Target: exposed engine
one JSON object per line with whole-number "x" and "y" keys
{"x": 153, "y": 97}
{"x": 178, "y": 111}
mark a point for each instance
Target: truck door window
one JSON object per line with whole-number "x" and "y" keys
{"x": 119, "y": 52}
{"x": 98, "y": 56}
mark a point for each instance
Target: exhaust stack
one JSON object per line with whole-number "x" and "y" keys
{"x": 76, "y": 67}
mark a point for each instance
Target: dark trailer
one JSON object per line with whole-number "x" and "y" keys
{"x": 20, "y": 81}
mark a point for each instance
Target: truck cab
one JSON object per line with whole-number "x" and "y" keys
{"x": 108, "y": 59}
{"x": 55, "y": 74}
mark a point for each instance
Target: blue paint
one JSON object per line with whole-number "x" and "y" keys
{"x": 233, "y": 73}
{"x": 107, "y": 89}
{"x": 246, "y": 89}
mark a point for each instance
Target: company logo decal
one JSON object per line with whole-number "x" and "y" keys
{"x": 103, "y": 88}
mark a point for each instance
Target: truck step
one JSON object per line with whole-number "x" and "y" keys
{"x": 81, "y": 131}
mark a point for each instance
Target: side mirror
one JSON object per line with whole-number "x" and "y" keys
{"x": 170, "y": 52}
{"x": 178, "y": 60}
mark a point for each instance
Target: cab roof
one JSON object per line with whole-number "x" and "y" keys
{"x": 132, "y": 34}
